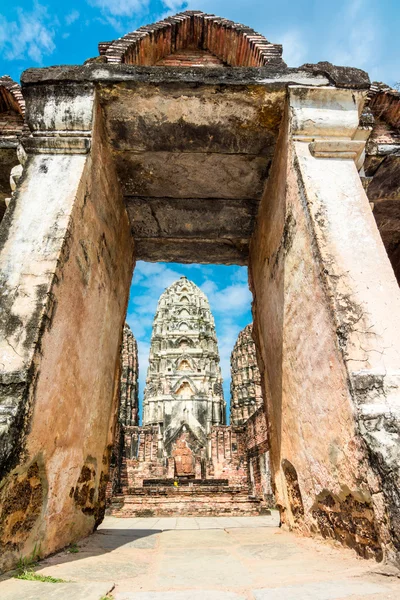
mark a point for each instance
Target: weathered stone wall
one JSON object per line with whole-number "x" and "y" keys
{"x": 246, "y": 395}
{"x": 66, "y": 260}
{"x": 141, "y": 458}
{"x": 305, "y": 391}
{"x": 313, "y": 275}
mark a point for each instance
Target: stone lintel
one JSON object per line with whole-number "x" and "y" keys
{"x": 188, "y": 218}
{"x": 325, "y": 112}
{"x": 225, "y": 252}
{"x": 337, "y": 149}
{"x": 105, "y": 73}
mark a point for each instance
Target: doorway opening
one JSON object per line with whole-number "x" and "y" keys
{"x": 187, "y": 353}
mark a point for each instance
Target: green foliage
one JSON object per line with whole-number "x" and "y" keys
{"x": 73, "y": 549}
{"x": 30, "y": 575}
{"x": 26, "y": 564}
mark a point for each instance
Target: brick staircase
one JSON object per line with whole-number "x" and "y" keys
{"x": 190, "y": 499}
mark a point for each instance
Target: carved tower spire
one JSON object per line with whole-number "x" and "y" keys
{"x": 184, "y": 381}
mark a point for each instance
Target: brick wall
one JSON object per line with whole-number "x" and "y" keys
{"x": 190, "y": 58}
{"x": 141, "y": 457}
{"x": 228, "y": 455}
{"x": 257, "y": 447}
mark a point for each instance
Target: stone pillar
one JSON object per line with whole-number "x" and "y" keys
{"x": 327, "y": 321}
{"x": 65, "y": 268}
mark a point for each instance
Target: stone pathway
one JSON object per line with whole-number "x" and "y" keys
{"x": 225, "y": 558}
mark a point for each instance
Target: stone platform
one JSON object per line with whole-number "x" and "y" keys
{"x": 205, "y": 500}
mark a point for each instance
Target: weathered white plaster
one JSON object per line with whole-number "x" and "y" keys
{"x": 361, "y": 287}
{"x": 324, "y": 112}
{"x": 32, "y": 246}
{"x": 60, "y": 114}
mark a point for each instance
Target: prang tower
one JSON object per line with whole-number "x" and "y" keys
{"x": 184, "y": 383}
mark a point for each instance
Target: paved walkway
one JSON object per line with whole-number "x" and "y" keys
{"x": 246, "y": 558}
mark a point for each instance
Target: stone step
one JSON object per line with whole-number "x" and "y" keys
{"x": 185, "y": 503}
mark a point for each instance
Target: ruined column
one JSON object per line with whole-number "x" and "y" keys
{"x": 65, "y": 267}
{"x": 327, "y": 322}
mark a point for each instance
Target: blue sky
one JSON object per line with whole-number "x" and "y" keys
{"x": 360, "y": 33}
{"x": 226, "y": 289}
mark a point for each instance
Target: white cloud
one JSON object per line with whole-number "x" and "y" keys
{"x": 31, "y": 35}
{"x": 120, "y": 8}
{"x": 234, "y": 298}
{"x": 294, "y": 48}
{"x": 72, "y": 17}
{"x": 154, "y": 278}
{"x": 354, "y": 35}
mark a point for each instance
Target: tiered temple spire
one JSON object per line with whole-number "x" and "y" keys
{"x": 184, "y": 381}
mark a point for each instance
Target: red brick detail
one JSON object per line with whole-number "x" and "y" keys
{"x": 12, "y": 108}
{"x": 257, "y": 433}
{"x": 228, "y": 455}
{"x": 234, "y": 44}
{"x": 257, "y": 445}
{"x": 190, "y": 58}
{"x": 11, "y": 98}
{"x": 385, "y": 104}
{"x": 164, "y": 501}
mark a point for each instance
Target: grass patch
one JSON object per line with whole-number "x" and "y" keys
{"x": 30, "y": 575}
{"x": 73, "y": 549}
{"x": 25, "y": 566}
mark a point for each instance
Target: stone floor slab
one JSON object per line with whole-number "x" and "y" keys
{"x": 17, "y": 589}
{"x": 222, "y": 559}
{"x": 323, "y": 590}
{"x": 182, "y": 595}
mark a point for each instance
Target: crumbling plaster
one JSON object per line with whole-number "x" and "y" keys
{"x": 66, "y": 283}
{"x": 325, "y": 298}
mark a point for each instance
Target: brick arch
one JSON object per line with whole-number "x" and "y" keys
{"x": 11, "y": 98}
{"x": 234, "y": 44}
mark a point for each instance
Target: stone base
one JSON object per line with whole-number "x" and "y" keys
{"x": 186, "y": 501}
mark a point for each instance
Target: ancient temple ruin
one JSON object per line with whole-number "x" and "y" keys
{"x": 135, "y": 155}
{"x": 248, "y": 409}
{"x": 183, "y": 390}
{"x": 246, "y": 393}
{"x": 184, "y": 459}
{"x": 128, "y": 410}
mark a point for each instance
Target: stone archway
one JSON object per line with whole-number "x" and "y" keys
{"x": 246, "y": 166}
